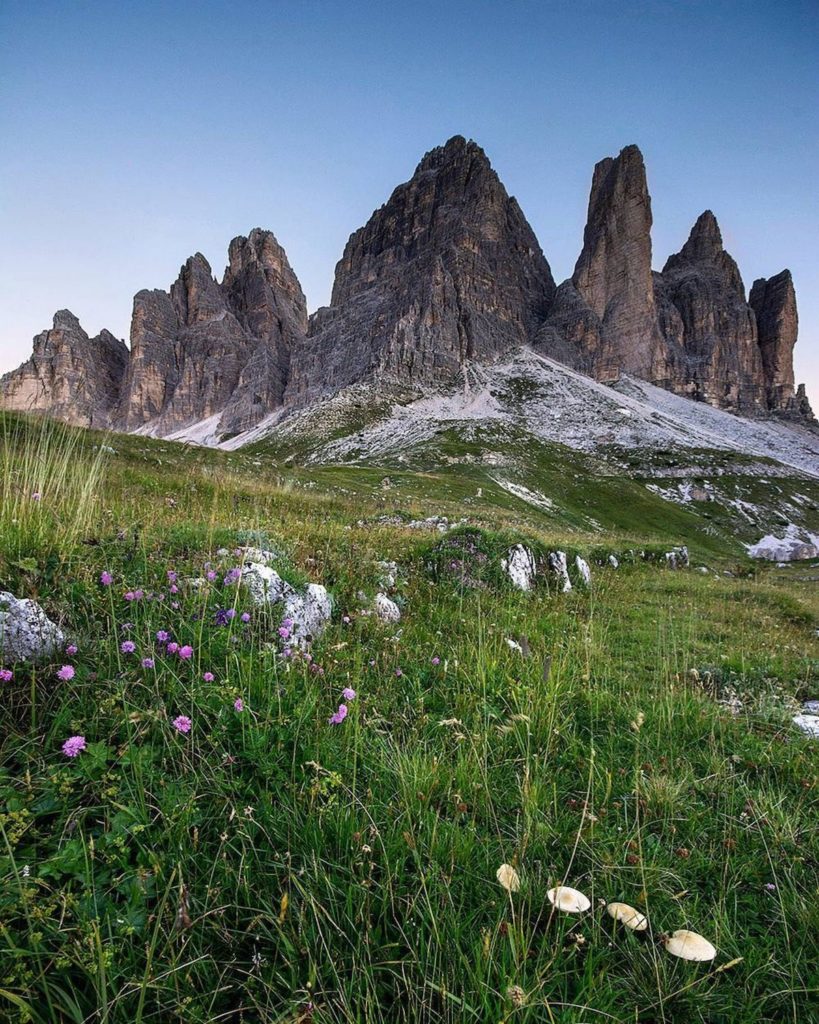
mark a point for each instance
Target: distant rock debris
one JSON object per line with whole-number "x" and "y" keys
{"x": 795, "y": 545}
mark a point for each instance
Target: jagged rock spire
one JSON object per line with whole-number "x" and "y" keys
{"x": 446, "y": 271}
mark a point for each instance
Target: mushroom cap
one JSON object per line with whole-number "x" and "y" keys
{"x": 508, "y": 878}
{"x": 689, "y": 946}
{"x": 570, "y": 900}
{"x": 627, "y": 916}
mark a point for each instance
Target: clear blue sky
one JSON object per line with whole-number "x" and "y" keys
{"x": 134, "y": 134}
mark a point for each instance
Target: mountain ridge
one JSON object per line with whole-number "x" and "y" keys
{"x": 445, "y": 273}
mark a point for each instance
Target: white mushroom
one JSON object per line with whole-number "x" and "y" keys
{"x": 627, "y": 916}
{"x": 508, "y": 878}
{"x": 689, "y": 946}
{"x": 570, "y": 900}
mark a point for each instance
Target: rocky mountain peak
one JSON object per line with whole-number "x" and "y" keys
{"x": 604, "y": 320}
{"x": 446, "y": 270}
{"x": 64, "y": 320}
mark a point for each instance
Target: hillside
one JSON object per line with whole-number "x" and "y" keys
{"x": 225, "y": 844}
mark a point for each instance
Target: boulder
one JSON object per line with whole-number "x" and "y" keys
{"x": 385, "y": 609}
{"x": 558, "y": 566}
{"x": 583, "y": 570}
{"x": 519, "y": 565}
{"x": 310, "y": 611}
{"x": 26, "y": 632}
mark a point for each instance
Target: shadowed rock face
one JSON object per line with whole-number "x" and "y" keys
{"x": 69, "y": 376}
{"x": 709, "y": 327}
{"x": 448, "y": 270}
{"x": 604, "y": 320}
{"x": 773, "y": 300}
{"x": 211, "y": 349}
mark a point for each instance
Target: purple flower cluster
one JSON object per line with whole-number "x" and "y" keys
{"x": 74, "y": 745}
{"x": 6, "y": 675}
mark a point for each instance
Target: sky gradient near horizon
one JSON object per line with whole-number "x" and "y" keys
{"x": 135, "y": 135}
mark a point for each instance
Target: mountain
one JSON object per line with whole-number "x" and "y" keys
{"x": 446, "y": 272}
{"x": 69, "y": 375}
{"x": 446, "y": 275}
{"x": 215, "y": 350}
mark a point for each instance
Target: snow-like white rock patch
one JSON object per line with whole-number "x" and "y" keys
{"x": 809, "y": 724}
{"x": 26, "y": 632}
{"x": 519, "y": 566}
{"x": 519, "y": 491}
{"x": 583, "y": 570}
{"x": 794, "y": 545}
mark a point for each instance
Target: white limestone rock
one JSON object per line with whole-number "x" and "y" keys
{"x": 519, "y": 566}
{"x": 793, "y": 546}
{"x": 583, "y": 570}
{"x": 26, "y": 632}
{"x": 386, "y": 610}
{"x": 264, "y": 584}
{"x": 557, "y": 563}
{"x": 310, "y": 611}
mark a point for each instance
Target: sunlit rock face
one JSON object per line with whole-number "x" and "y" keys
{"x": 68, "y": 376}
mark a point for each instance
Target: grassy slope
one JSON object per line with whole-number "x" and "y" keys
{"x": 348, "y": 873}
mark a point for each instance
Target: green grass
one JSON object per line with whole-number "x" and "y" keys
{"x": 269, "y": 867}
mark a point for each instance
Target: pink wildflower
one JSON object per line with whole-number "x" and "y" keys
{"x": 173, "y": 647}
{"x": 186, "y": 652}
{"x": 6, "y": 675}
{"x": 163, "y": 637}
{"x": 348, "y": 693}
{"x": 36, "y": 496}
{"x": 211, "y": 575}
{"x": 106, "y": 579}
{"x": 238, "y": 704}
{"x": 245, "y": 616}
{"x": 130, "y": 595}
{"x": 182, "y": 723}
{"x": 73, "y": 745}
{"x": 66, "y": 673}
{"x": 127, "y": 646}
{"x": 147, "y": 662}
{"x": 436, "y": 660}
{"x": 208, "y": 677}
{"x": 71, "y": 650}
{"x": 338, "y": 717}
{"x": 171, "y": 576}
{"x": 399, "y": 672}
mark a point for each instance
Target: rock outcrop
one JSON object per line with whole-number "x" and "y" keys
{"x": 69, "y": 376}
{"x": 709, "y": 327}
{"x": 773, "y": 300}
{"x": 209, "y": 349}
{"x": 604, "y": 320}
{"x": 447, "y": 271}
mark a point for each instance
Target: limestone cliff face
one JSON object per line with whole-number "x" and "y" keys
{"x": 773, "y": 300}
{"x": 604, "y": 321}
{"x": 209, "y": 349}
{"x": 708, "y": 325}
{"x": 69, "y": 376}
{"x": 447, "y": 271}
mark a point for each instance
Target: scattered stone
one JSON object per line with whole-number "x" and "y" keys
{"x": 310, "y": 612}
{"x": 264, "y": 584}
{"x": 793, "y": 546}
{"x": 677, "y": 558}
{"x": 26, "y": 632}
{"x": 388, "y": 574}
{"x": 583, "y": 570}
{"x": 386, "y": 610}
{"x": 613, "y": 562}
{"x": 520, "y": 567}
{"x": 557, "y": 563}
{"x": 809, "y": 724}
